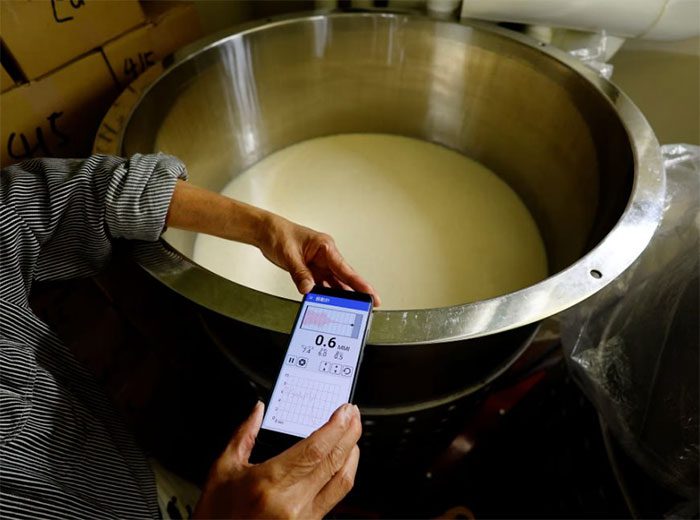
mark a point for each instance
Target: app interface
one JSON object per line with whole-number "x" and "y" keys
{"x": 319, "y": 367}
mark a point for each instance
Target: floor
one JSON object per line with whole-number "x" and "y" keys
{"x": 533, "y": 449}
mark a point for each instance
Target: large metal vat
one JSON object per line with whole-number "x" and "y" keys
{"x": 574, "y": 148}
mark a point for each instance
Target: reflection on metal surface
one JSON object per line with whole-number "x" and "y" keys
{"x": 244, "y": 91}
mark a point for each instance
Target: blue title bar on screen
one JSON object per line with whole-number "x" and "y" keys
{"x": 337, "y": 302}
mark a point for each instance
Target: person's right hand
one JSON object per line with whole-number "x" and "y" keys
{"x": 306, "y": 481}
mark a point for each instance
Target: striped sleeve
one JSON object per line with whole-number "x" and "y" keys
{"x": 59, "y": 215}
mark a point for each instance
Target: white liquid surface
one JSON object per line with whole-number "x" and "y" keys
{"x": 428, "y": 227}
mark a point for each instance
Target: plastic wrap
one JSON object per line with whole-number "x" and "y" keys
{"x": 592, "y": 48}
{"x": 633, "y": 347}
{"x": 594, "y": 53}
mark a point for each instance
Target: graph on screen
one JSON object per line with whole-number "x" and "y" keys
{"x": 340, "y": 323}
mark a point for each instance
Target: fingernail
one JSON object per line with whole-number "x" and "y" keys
{"x": 357, "y": 409}
{"x": 346, "y": 412}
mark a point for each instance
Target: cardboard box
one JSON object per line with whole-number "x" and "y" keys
{"x": 6, "y": 81}
{"x": 42, "y": 35}
{"x": 131, "y": 54}
{"x": 58, "y": 115}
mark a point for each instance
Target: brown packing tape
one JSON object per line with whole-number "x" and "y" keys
{"x": 58, "y": 114}
{"x": 43, "y": 35}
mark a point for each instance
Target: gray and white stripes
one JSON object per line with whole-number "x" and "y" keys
{"x": 64, "y": 452}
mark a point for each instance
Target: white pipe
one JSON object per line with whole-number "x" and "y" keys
{"x": 652, "y": 19}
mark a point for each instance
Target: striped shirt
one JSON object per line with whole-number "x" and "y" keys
{"x": 64, "y": 452}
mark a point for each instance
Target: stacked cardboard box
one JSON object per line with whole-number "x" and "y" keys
{"x": 72, "y": 58}
{"x": 57, "y": 115}
{"x": 173, "y": 26}
{"x": 44, "y": 35}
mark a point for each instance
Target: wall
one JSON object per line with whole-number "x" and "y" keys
{"x": 663, "y": 79}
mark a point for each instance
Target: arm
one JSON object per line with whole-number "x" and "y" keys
{"x": 309, "y": 256}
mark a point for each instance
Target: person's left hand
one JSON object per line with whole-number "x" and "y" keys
{"x": 310, "y": 257}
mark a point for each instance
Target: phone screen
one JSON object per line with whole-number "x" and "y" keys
{"x": 319, "y": 370}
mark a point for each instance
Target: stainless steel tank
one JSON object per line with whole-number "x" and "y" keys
{"x": 576, "y": 150}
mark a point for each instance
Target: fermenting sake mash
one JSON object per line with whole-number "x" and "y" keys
{"x": 427, "y": 226}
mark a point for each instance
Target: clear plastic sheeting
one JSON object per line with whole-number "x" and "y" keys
{"x": 593, "y": 48}
{"x": 594, "y": 53}
{"x": 633, "y": 347}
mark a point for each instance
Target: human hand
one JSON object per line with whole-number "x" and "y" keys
{"x": 310, "y": 257}
{"x": 306, "y": 481}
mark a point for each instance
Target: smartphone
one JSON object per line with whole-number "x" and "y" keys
{"x": 320, "y": 367}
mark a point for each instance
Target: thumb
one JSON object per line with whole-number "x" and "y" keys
{"x": 241, "y": 445}
{"x": 302, "y": 277}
